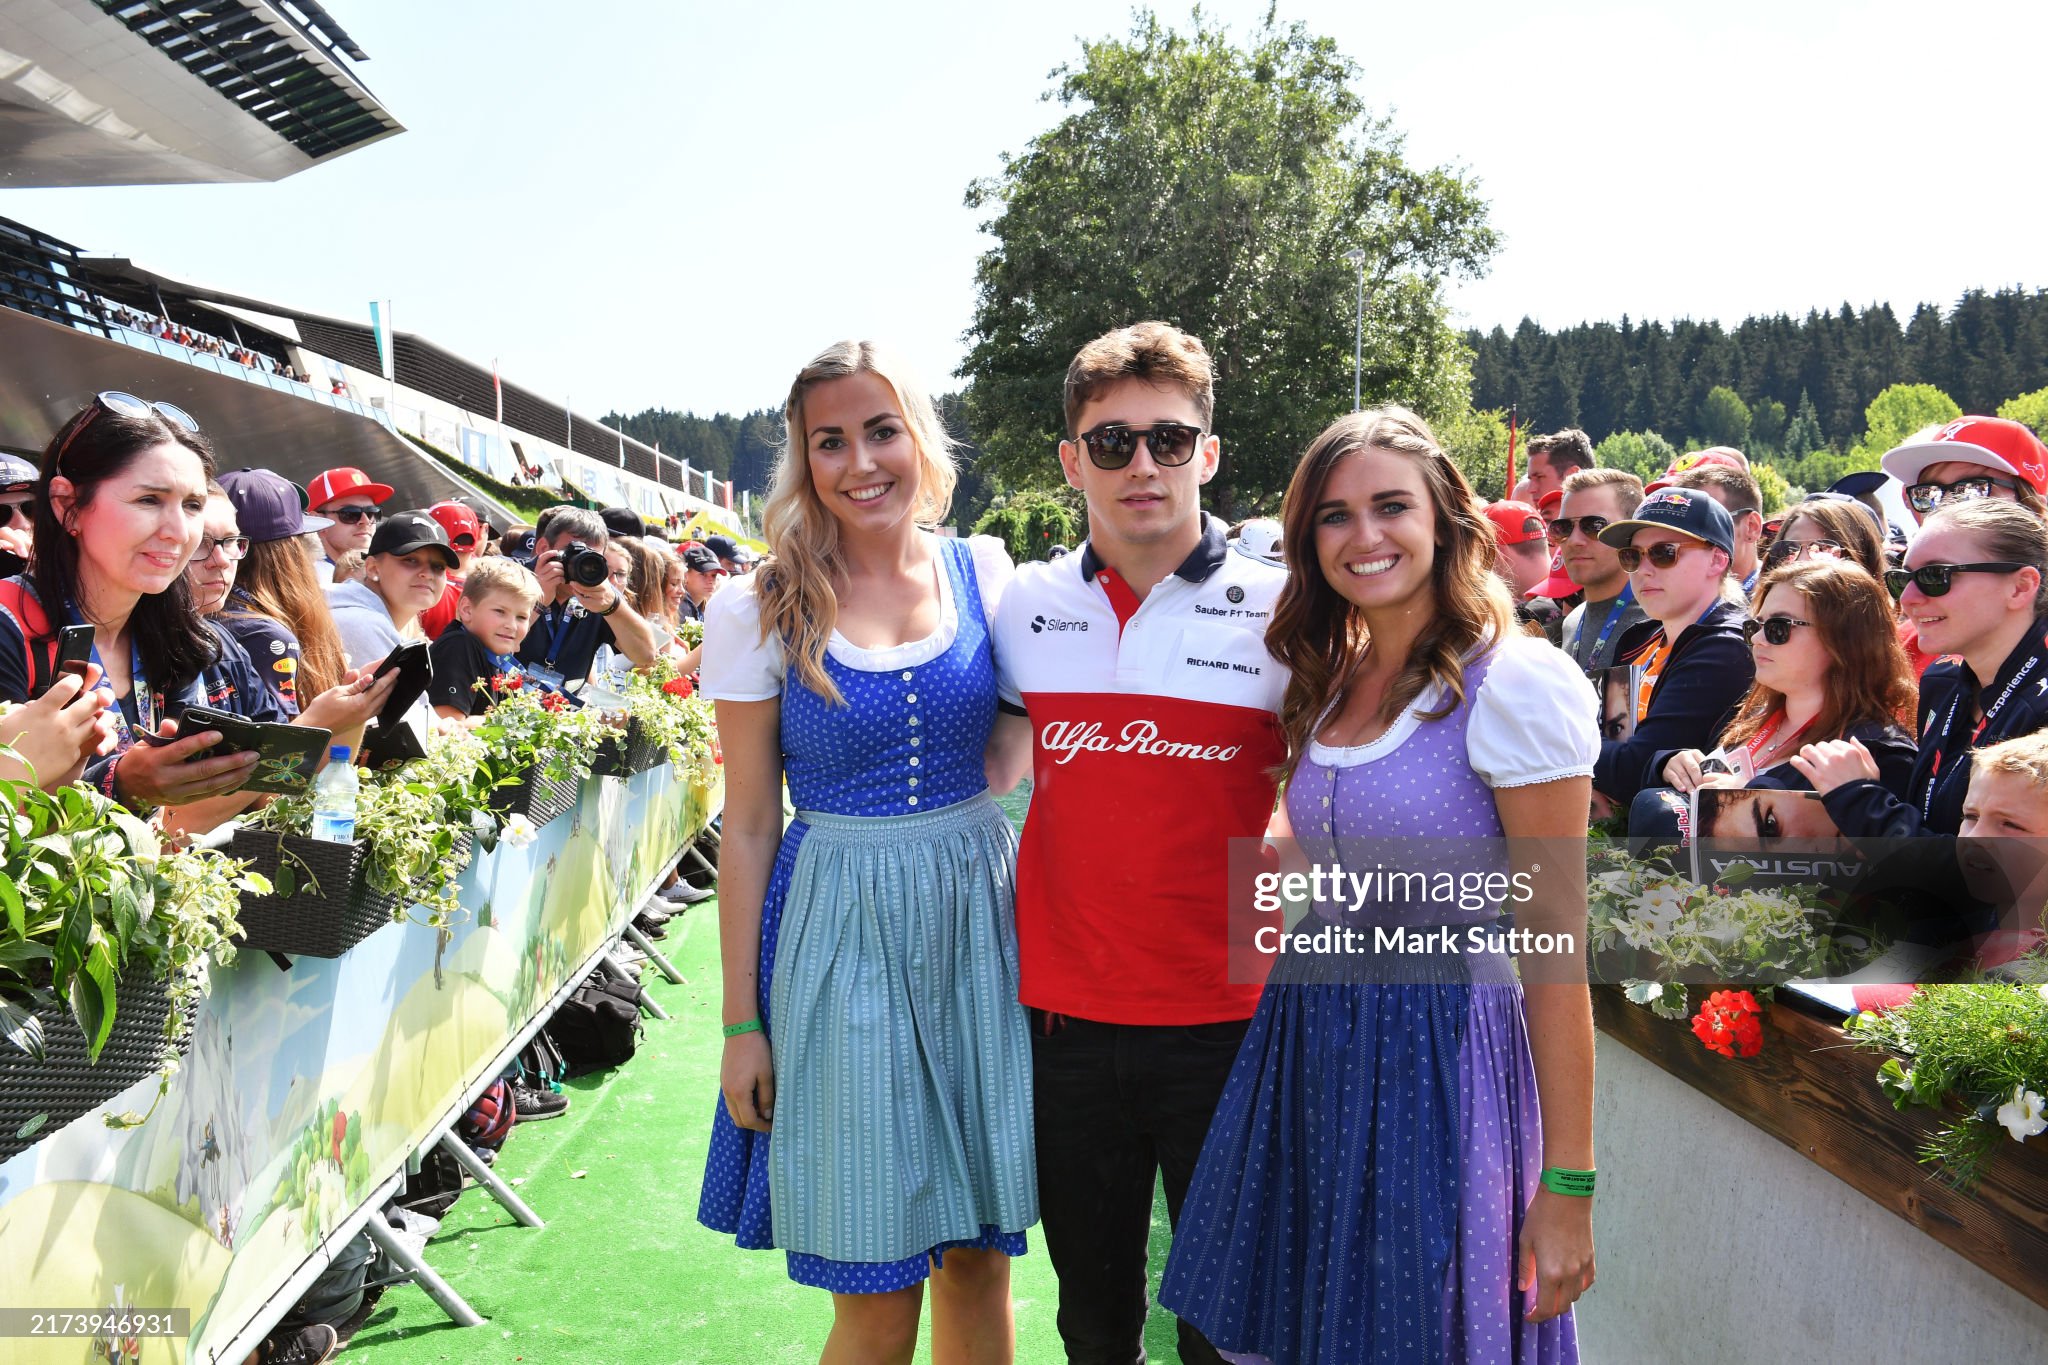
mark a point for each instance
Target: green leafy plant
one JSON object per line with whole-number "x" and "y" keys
{"x": 1978, "y": 1051}
{"x": 677, "y": 718}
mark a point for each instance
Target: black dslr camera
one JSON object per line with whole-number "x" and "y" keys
{"x": 584, "y": 566}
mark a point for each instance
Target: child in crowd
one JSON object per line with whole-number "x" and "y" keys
{"x": 491, "y": 619}
{"x": 2003, "y": 841}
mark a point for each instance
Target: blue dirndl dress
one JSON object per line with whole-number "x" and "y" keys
{"x": 888, "y": 985}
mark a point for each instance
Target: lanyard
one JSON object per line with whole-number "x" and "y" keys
{"x": 1760, "y": 742}
{"x": 559, "y": 633}
{"x": 1941, "y": 779}
{"x": 1615, "y": 610}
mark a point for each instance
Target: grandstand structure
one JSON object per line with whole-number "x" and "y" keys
{"x": 127, "y": 92}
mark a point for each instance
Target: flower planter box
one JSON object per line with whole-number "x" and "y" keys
{"x": 64, "y": 1086}
{"x": 629, "y": 754}
{"x": 328, "y": 912}
{"x": 537, "y": 798}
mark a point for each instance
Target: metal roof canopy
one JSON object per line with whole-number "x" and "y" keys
{"x": 418, "y": 363}
{"x": 53, "y": 370}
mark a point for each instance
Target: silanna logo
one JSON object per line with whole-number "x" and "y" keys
{"x": 1041, "y": 624}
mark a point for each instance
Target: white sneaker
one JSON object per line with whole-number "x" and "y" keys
{"x": 682, "y": 893}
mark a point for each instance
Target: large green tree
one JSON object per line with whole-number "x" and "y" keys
{"x": 1217, "y": 185}
{"x": 1897, "y": 413}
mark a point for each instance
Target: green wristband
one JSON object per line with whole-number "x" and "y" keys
{"x": 735, "y": 1030}
{"x": 1558, "y": 1180}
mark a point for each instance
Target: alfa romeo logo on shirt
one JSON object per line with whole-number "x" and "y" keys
{"x": 1234, "y": 593}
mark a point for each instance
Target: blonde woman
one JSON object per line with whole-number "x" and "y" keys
{"x": 870, "y": 960}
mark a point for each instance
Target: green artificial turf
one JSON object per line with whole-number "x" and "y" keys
{"x": 623, "y": 1272}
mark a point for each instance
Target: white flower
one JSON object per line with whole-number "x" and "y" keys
{"x": 1660, "y": 906}
{"x": 2024, "y": 1115}
{"x": 2043, "y": 989}
{"x": 519, "y": 831}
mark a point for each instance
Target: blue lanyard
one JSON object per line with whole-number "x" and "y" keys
{"x": 560, "y": 634}
{"x": 1615, "y": 611}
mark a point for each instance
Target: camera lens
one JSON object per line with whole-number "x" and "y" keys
{"x": 584, "y": 566}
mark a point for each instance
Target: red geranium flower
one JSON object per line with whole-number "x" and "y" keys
{"x": 507, "y": 682}
{"x": 679, "y": 687}
{"x": 554, "y": 701}
{"x": 1730, "y": 1023}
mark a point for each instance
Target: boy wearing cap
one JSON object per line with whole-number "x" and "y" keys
{"x": 465, "y": 537}
{"x": 1608, "y": 625}
{"x": 348, "y": 498}
{"x": 492, "y": 616}
{"x": 1697, "y": 667}
{"x": 701, "y": 575}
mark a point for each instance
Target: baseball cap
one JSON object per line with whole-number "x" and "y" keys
{"x": 1689, "y": 511}
{"x": 1259, "y": 539}
{"x": 269, "y": 506}
{"x": 1559, "y": 585}
{"x": 723, "y": 547}
{"x": 702, "y": 560}
{"x": 330, "y": 484}
{"x": 1727, "y": 457}
{"x": 623, "y": 521}
{"x": 16, "y": 473}
{"x": 458, "y": 521}
{"x": 1992, "y": 441}
{"x": 1550, "y": 502}
{"x": 519, "y": 542}
{"x": 405, "y": 532}
{"x": 1856, "y": 485}
{"x": 1515, "y": 523}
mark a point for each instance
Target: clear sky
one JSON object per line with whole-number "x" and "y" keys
{"x": 640, "y": 203}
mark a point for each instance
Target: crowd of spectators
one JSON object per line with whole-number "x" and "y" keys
{"x": 204, "y": 343}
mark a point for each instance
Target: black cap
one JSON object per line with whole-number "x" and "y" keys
{"x": 700, "y": 558}
{"x": 722, "y": 546}
{"x": 404, "y": 532}
{"x": 1688, "y": 511}
{"x": 485, "y": 513}
{"x": 623, "y": 521}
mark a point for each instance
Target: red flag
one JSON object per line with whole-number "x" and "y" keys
{"x": 1509, "y": 491}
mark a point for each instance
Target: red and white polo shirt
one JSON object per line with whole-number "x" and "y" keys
{"x": 1154, "y": 735}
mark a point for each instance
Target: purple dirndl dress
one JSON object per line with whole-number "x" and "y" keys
{"x": 1362, "y": 1187}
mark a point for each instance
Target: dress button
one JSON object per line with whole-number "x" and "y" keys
{"x": 913, "y": 760}
{"x": 1326, "y": 826}
{"x": 1326, "y": 800}
{"x": 906, "y": 675}
{"x": 912, "y": 699}
{"x": 913, "y": 721}
{"x": 913, "y": 782}
{"x": 915, "y": 741}
{"x": 913, "y": 800}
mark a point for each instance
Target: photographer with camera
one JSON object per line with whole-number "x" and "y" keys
{"x": 579, "y": 607}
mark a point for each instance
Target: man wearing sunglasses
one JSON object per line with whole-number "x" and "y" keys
{"x": 17, "y": 491}
{"x": 1696, "y": 669}
{"x": 1609, "y": 625}
{"x": 349, "y": 499}
{"x": 1139, "y": 664}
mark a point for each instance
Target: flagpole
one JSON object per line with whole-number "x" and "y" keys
{"x": 1509, "y": 490}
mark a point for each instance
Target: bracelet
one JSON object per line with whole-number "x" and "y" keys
{"x": 735, "y": 1030}
{"x": 1558, "y": 1180}
{"x": 617, "y": 597}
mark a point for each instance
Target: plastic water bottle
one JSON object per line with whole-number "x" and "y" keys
{"x": 334, "y": 799}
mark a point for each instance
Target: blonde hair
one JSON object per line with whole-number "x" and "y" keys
{"x": 795, "y": 581}
{"x": 1585, "y": 480}
{"x": 2024, "y": 756}
{"x": 495, "y": 573}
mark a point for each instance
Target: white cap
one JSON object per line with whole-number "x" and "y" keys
{"x": 1260, "y": 539}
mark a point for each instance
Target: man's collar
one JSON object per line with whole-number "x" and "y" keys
{"x": 1203, "y": 561}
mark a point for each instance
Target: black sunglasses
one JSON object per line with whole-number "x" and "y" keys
{"x": 1112, "y": 444}
{"x": 353, "y": 515}
{"x": 1561, "y": 529}
{"x": 1663, "y": 555}
{"x": 1936, "y": 579}
{"x": 1783, "y": 550}
{"x": 8, "y": 510}
{"x": 1926, "y": 497}
{"x": 125, "y": 405}
{"x": 1776, "y": 629}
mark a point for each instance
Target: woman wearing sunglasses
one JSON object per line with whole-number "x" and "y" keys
{"x": 405, "y": 572}
{"x": 1828, "y": 666}
{"x": 1969, "y": 459}
{"x": 275, "y": 607}
{"x": 1973, "y": 586}
{"x": 119, "y": 512}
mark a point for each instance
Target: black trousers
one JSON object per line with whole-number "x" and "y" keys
{"x": 1119, "y": 1107}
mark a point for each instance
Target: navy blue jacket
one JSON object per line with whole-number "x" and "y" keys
{"x": 1705, "y": 679}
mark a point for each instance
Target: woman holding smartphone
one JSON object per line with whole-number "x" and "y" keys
{"x": 119, "y": 513}
{"x": 404, "y": 573}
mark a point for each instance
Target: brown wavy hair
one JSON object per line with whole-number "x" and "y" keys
{"x": 1321, "y": 637}
{"x": 1847, "y": 524}
{"x": 277, "y": 578}
{"x": 1870, "y": 681}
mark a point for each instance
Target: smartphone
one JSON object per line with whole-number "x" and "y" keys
{"x": 74, "y": 650}
{"x": 287, "y": 755}
{"x": 414, "y": 665}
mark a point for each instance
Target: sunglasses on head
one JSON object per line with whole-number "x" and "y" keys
{"x": 125, "y": 405}
{"x": 1662, "y": 555}
{"x": 1934, "y": 580}
{"x": 1113, "y": 444}
{"x": 1784, "y": 550}
{"x": 1561, "y": 529}
{"x": 353, "y": 516}
{"x": 1776, "y": 629}
{"x": 1926, "y": 497}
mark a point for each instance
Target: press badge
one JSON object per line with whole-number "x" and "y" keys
{"x": 546, "y": 677}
